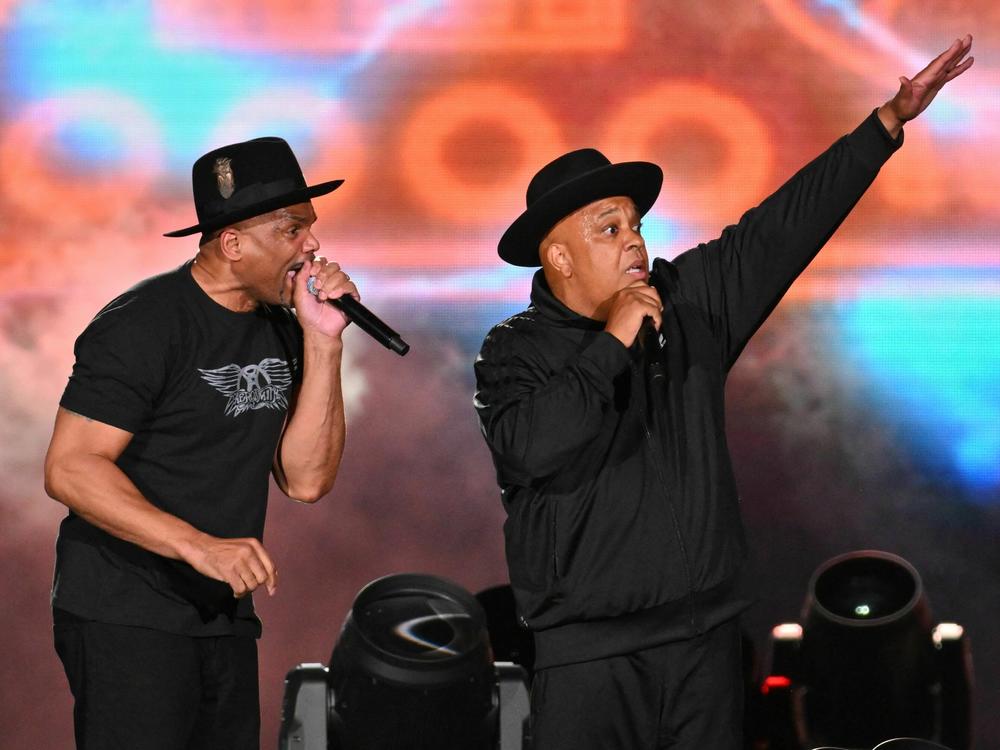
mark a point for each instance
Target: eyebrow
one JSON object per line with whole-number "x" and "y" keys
{"x": 616, "y": 209}
{"x": 286, "y": 215}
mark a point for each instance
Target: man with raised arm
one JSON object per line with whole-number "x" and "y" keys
{"x": 602, "y": 405}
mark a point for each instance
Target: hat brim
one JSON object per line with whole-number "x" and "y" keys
{"x": 639, "y": 180}
{"x": 270, "y": 204}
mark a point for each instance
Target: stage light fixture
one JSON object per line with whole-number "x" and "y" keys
{"x": 510, "y": 641}
{"x": 898, "y": 743}
{"x": 412, "y": 670}
{"x": 865, "y": 664}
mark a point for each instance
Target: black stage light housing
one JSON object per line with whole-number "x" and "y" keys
{"x": 899, "y": 743}
{"x": 413, "y": 661}
{"x": 866, "y": 664}
{"x": 412, "y": 670}
{"x": 510, "y": 641}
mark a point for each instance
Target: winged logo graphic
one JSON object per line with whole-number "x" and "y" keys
{"x": 260, "y": 386}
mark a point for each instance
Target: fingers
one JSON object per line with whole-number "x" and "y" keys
{"x": 915, "y": 95}
{"x": 650, "y": 303}
{"x": 262, "y": 567}
{"x": 330, "y": 280}
{"x": 961, "y": 49}
{"x": 251, "y": 576}
{"x": 958, "y": 49}
{"x": 242, "y": 563}
{"x": 959, "y": 69}
{"x": 629, "y": 308}
{"x": 947, "y": 61}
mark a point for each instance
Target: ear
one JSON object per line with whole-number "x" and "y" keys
{"x": 556, "y": 256}
{"x": 229, "y": 244}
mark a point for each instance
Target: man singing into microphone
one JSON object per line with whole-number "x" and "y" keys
{"x": 602, "y": 405}
{"x": 187, "y": 391}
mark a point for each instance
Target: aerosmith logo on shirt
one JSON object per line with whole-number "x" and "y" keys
{"x": 262, "y": 386}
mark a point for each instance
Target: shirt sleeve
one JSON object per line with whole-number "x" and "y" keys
{"x": 535, "y": 419}
{"x": 120, "y": 366}
{"x": 739, "y": 278}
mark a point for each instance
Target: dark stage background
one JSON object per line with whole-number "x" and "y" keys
{"x": 865, "y": 414}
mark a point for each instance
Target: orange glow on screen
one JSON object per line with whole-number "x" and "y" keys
{"x": 317, "y": 26}
{"x": 33, "y": 180}
{"x": 511, "y": 134}
{"x": 721, "y": 187}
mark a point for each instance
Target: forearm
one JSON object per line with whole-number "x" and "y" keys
{"x": 740, "y": 277}
{"x": 311, "y": 447}
{"x": 93, "y": 487}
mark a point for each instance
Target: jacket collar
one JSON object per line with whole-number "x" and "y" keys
{"x": 549, "y": 305}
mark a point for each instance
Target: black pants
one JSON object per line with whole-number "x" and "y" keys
{"x": 140, "y": 689}
{"x": 686, "y": 695}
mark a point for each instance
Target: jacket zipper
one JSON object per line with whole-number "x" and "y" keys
{"x": 555, "y": 541}
{"x": 657, "y": 459}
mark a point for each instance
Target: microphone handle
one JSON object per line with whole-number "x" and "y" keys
{"x": 371, "y": 324}
{"x": 367, "y": 321}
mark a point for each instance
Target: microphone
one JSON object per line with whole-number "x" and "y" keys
{"x": 649, "y": 339}
{"x": 647, "y": 336}
{"x": 366, "y": 320}
{"x": 647, "y": 330}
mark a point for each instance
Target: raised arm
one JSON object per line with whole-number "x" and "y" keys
{"x": 738, "y": 278}
{"x": 81, "y": 473}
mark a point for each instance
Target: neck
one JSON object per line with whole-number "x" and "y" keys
{"x": 216, "y": 279}
{"x": 567, "y": 292}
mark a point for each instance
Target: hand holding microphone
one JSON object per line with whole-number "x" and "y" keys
{"x": 365, "y": 319}
{"x": 635, "y": 309}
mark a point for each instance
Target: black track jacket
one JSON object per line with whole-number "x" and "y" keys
{"x": 623, "y": 524}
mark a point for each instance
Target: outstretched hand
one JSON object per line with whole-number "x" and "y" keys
{"x": 915, "y": 94}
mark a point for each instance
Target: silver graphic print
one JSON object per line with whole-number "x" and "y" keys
{"x": 223, "y": 170}
{"x": 262, "y": 386}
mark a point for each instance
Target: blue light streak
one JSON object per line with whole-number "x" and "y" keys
{"x": 661, "y": 234}
{"x": 848, "y": 10}
{"x": 96, "y": 144}
{"x": 949, "y": 118}
{"x": 61, "y": 46}
{"x": 933, "y": 368}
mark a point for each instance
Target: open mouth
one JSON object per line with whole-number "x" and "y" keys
{"x": 637, "y": 268}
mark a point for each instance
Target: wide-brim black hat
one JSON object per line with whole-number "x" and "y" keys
{"x": 571, "y": 182}
{"x": 247, "y": 179}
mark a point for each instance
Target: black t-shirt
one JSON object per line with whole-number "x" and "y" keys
{"x": 205, "y": 391}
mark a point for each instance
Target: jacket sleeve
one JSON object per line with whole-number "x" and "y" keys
{"x": 535, "y": 418}
{"x": 739, "y": 278}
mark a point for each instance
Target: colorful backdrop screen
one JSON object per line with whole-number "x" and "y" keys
{"x": 865, "y": 414}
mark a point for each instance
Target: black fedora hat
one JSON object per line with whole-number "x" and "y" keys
{"x": 241, "y": 180}
{"x": 571, "y": 182}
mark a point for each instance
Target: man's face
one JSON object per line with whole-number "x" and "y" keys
{"x": 274, "y": 246}
{"x": 605, "y": 252}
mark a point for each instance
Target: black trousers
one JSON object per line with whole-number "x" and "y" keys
{"x": 685, "y": 695}
{"x": 140, "y": 689}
